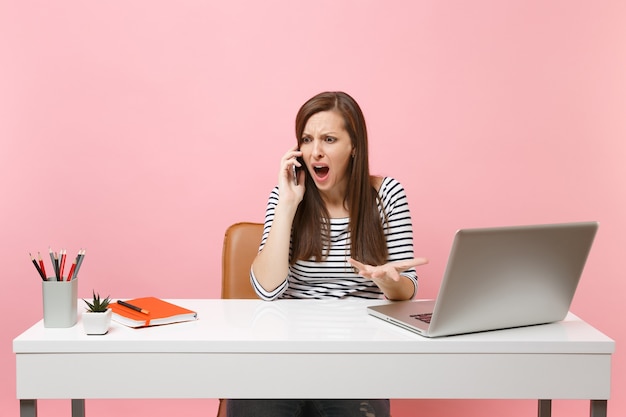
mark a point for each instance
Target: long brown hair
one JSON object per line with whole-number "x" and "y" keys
{"x": 311, "y": 225}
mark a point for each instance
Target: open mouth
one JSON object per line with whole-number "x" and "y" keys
{"x": 321, "y": 171}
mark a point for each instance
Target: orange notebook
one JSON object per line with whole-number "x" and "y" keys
{"x": 159, "y": 312}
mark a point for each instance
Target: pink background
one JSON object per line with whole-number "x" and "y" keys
{"x": 141, "y": 129}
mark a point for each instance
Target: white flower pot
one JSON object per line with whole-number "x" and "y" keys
{"x": 97, "y": 323}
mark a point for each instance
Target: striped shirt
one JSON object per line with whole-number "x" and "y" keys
{"x": 334, "y": 277}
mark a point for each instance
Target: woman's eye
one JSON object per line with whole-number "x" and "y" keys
{"x": 330, "y": 139}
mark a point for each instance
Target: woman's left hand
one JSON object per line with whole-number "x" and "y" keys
{"x": 387, "y": 272}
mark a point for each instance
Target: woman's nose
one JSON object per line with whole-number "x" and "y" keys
{"x": 318, "y": 151}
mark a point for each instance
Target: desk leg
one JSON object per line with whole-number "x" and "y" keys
{"x": 28, "y": 408}
{"x": 545, "y": 408}
{"x": 78, "y": 408}
{"x": 598, "y": 408}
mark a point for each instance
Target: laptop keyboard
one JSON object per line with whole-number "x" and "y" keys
{"x": 425, "y": 317}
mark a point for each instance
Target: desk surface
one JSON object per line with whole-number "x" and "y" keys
{"x": 312, "y": 325}
{"x": 332, "y": 348}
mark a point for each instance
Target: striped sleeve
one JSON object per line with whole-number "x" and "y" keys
{"x": 399, "y": 225}
{"x": 269, "y": 218}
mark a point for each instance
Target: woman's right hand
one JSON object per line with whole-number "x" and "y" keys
{"x": 271, "y": 265}
{"x": 289, "y": 191}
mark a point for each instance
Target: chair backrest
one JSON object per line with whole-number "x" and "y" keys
{"x": 241, "y": 245}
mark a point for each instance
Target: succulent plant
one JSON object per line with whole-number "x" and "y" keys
{"x": 98, "y": 305}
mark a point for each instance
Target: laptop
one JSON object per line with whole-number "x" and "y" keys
{"x": 499, "y": 278}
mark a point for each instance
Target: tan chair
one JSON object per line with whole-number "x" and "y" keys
{"x": 241, "y": 244}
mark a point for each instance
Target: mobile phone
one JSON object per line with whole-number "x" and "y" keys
{"x": 295, "y": 169}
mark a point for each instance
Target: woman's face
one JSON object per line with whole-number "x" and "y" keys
{"x": 326, "y": 150}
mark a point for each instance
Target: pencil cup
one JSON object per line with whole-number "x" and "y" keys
{"x": 59, "y": 302}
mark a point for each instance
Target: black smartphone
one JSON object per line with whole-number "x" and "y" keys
{"x": 295, "y": 169}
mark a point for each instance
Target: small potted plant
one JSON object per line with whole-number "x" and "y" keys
{"x": 97, "y": 316}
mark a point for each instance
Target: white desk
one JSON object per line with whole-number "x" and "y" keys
{"x": 236, "y": 346}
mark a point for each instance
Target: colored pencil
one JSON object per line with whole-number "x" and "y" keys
{"x": 41, "y": 274}
{"x": 69, "y": 275}
{"x": 79, "y": 261}
{"x": 53, "y": 262}
{"x": 63, "y": 254}
{"x": 43, "y": 268}
{"x": 56, "y": 266}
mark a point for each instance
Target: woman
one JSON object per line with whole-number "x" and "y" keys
{"x": 332, "y": 231}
